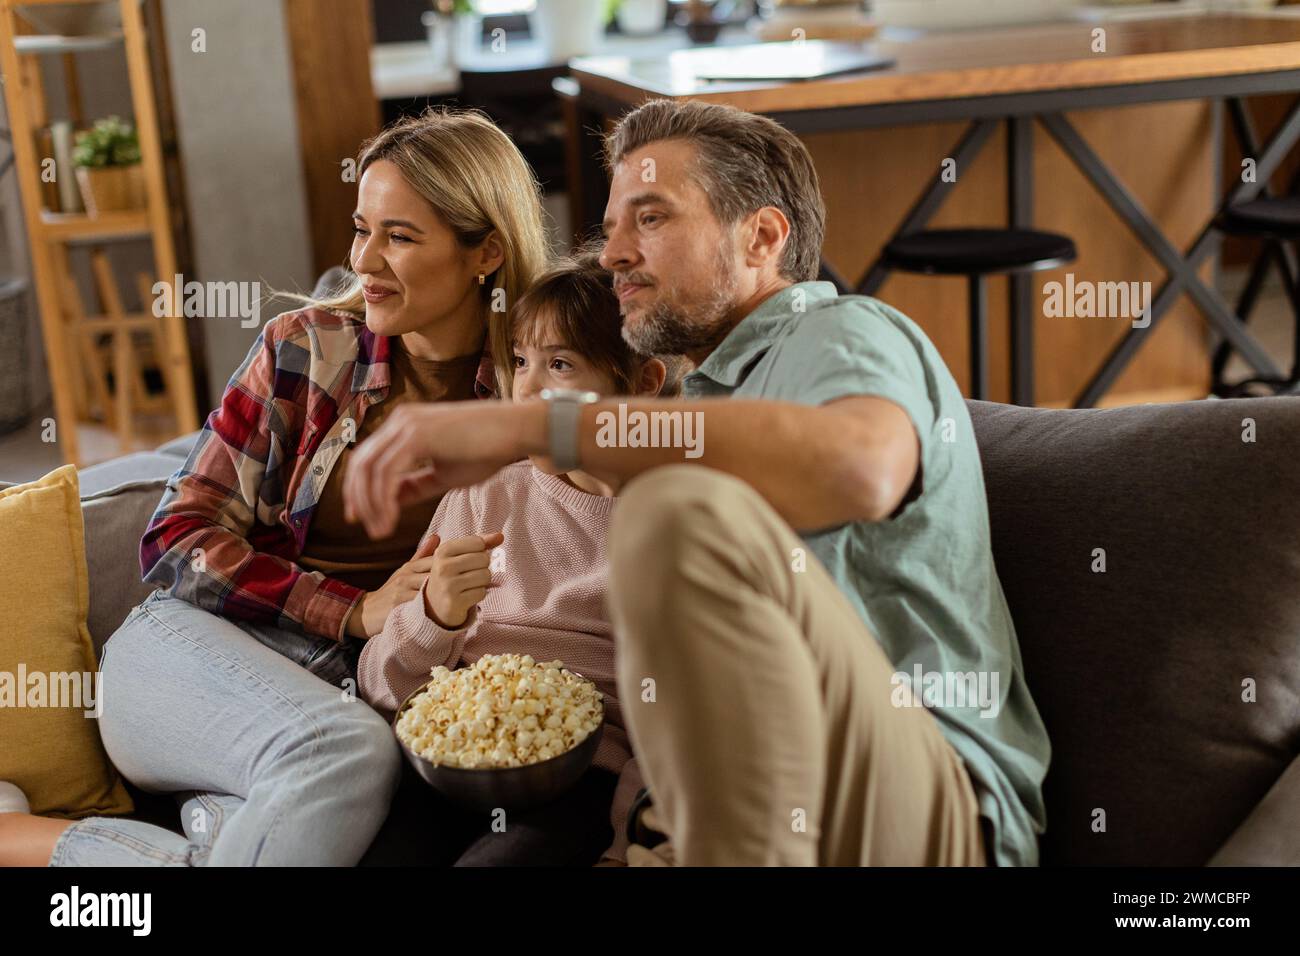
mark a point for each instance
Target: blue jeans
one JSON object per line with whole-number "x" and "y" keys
{"x": 281, "y": 766}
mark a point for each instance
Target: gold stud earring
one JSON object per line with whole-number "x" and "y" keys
{"x": 481, "y": 278}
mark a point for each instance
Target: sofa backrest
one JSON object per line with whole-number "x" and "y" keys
{"x": 1169, "y": 682}
{"x": 115, "y": 519}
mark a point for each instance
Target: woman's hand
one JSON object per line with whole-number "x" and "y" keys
{"x": 368, "y": 618}
{"x": 459, "y": 578}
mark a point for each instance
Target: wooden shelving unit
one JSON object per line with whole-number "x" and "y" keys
{"x": 77, "y": 363}
{"x": 109, "y": 225}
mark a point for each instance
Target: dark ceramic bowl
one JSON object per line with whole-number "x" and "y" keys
{"x": 509, "y": 788}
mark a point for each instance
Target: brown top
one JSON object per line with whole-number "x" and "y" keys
{"x": 344, "y": 551}
{"x": 1009, "y": 59}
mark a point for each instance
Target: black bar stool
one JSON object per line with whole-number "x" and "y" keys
{"x": 1275, "y": 220}
{"x": 977, "y": 253}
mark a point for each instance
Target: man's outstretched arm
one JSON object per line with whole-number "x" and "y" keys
{"x": 851, "y": 459}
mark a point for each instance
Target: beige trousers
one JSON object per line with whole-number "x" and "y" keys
{"x": 758, "y": 702}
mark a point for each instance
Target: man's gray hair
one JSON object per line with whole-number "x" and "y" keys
{"x": 744, "y": 162}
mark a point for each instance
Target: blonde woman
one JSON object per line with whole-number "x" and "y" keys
{"x": 221, "y": 680}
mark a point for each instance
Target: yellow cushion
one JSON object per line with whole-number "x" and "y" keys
{"x": 48, "y": 674}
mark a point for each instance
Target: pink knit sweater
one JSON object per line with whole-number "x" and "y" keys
{"x": 547, "y": 600}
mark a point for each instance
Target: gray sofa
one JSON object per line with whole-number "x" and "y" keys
{"x": 1138, "y": 671}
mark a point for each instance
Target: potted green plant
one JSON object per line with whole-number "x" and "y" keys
{"x": 109, "y": 174}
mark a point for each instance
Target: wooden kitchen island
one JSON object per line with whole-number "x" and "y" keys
{"x": 1119, "y": 150}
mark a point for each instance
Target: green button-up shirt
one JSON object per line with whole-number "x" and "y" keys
{"x": 924, "y": 580}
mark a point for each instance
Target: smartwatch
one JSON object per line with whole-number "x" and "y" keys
{"x": 562, "y": 416}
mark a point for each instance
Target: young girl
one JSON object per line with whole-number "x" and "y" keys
{"x": 519, "y": 567}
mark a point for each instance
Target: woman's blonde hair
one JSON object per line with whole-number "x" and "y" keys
{"x": 477, "y": 181}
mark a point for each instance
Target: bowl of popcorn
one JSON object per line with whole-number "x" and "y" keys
{"x": 506, "y": 731}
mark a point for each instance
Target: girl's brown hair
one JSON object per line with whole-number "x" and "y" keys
{"x": 573, "y": 303}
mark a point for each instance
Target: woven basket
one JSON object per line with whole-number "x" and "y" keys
{"x": 111, "y": 188}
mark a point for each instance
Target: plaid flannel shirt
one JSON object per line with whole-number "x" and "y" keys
{"x": 235, "y": 516}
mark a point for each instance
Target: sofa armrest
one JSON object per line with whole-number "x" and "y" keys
{"x": 114, "y": 520}
{"x": 1270, "y": 835}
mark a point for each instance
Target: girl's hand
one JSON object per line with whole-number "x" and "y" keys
{"x": 459, "y": 578}
{"x": 368, "y": 618}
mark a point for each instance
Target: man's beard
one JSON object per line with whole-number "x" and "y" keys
{"x": 668, "y": 328}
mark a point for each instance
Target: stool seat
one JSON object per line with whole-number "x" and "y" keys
{"x": 1277, "y": 217}
{"x": 978, "y": 251}
{"x": 976, "y": 254}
